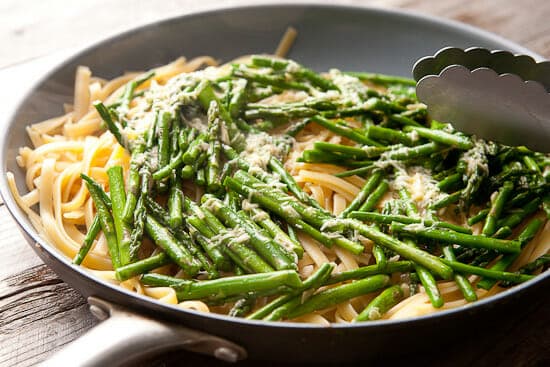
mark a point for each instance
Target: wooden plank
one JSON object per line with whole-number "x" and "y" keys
{"x": 40, "y": 319}
{"x": 45, "y": 30}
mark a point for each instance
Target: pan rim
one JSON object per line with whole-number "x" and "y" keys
{"x": 24, "y": 224}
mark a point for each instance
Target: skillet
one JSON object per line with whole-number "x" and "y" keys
{"x": 349, "y": 38}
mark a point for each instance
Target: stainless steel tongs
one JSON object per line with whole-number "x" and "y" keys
{"x": 493, "y": 94}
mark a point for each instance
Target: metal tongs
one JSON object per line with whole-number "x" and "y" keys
{"x": 495, "y": 95}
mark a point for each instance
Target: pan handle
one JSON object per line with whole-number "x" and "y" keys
{"x": 125, "y": 336}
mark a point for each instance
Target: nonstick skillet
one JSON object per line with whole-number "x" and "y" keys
{"x": 350, "y": 38}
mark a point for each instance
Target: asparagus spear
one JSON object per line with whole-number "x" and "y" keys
{"x": 503, "y": 263}
{"x": 365, "y": 271}
{"x": 228, "y": 286}
{"x": 388, "y": 219}
{"x": 142, "y": 266}
{"x": 341, "y": 128}
{"x": 105, "y": 218}
{"x": 105, "y": 114}
{"x": 381, "y": 304}
{"x": 366, "y": 190}
{"x": 382, "y": 79}
{"x": 280, "y": 236}
{"x": 495, "y": 212}
{"x": 462, "y": 239}
{"x": 461, "y": 281}
{"x": 291, "y": 216}
{"x": 278, "y": 168}
{"x": 482, "y": 214}
{"x": 93, "y": 231}
{"x": 133, "y": 182}
{"x": 118, "y": 200}
{"x": 442, "y": 137}
{"x": 493, "y": 274}
{"x": 313, "y": 282}
{"x": 259, "y": 239}
{"x": 431, "y": 262}
{"x": 165, "y": 240}
{"x": 375, "y": 197}
{"x": 333, "y": 296}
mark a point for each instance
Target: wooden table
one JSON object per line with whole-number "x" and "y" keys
{"x": 39, "y": 313}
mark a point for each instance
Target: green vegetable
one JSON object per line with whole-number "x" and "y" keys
{"x": 381, "y": 304}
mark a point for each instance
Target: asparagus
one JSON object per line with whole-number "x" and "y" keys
{"x": 341, "y": 128}
{"x": 429, "y": 261}
{"x": 175, "y": 205}
{"x": 263, "y": 219}
{"x": 142, "y": 266}
{"x": 382, "y": 79}
{"x": 442, "y": 137}
{"x": 172, "y": 166}
{"x": 238, "y": 97}
{"x": 284, "y": 114}
{"x": 259, "y": 239}
{"x": 390, "y": 135}
{"x": 374, "y": 198}
{"x": 462, "y": 239}
{"x": 105, "y": 218}
{"x": 365, "y": 271}
{"x": 278, "y": 168}
{"x": 426, "y": 278}
{"x": 234, "y": 244}
{"x": 336, "y": 295}
{"x": 408, "y": 153}
{"x": 482, "y": 214}
{"x": 428, "y": 281}
{"x": 358, "y": 171}
{"x": 366, "y": 190}
{"x": 388, "y": 219}
{"x": 315, "y": 216}
{"x": 291, "y": 216}
{"x": 343, "y": 151}
{"x": 164, "y": 123}
{"x": 105, "y": 114}
{"x": 381, "y": 304}
{"x": 196, "y": 147}
{"x": 165, "y": 240}
{"x": 242, "y": 306}
{"x": 379, "y": 255}
{"x": 93, "y": 231}
{"x": 118, "y": 200}
{"x": 319, "y": 156}
{"x": 449, "y": 182}
{"x": 313, "y": 282}
{"x": 447, "y": 200}
{"x": 214, "y": 232}
{"x": 228, "y": 286}
{"x": 129, "y": 92}
{"x": 535, "y": 264}
{"x": 232, "y": 200}
{"x": 528, "y": 233}
{"x": 402, "y": 119}
{"x": 495, "y": 212}
{"x": 515, "y": 218}
{"x": 133, "y": 182}
{"x": 461, "y": 281}
{"x": 493, "y": 274}
{"x": 264, "y": 79}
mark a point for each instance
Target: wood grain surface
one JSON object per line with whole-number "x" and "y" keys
{"x": 39, "y": 313}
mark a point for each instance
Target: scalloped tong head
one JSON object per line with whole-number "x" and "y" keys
{"x": 494, "y": 95}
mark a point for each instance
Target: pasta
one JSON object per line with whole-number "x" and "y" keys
{"x": 178, "y": 123}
